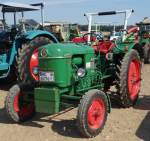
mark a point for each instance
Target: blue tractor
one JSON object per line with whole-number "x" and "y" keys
{"x": 19, "y": 46}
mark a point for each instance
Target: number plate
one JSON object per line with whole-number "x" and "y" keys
{"x": 46, "y": 76}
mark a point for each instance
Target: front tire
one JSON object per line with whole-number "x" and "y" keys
{"x": 18, "y": 104}
{"x": 130, "y": 79}
{"x": 92, "y": 113}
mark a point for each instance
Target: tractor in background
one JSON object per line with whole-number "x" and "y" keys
{"x": 72, "y": 75}
{"x": 126, "y": 39}
{"x": 63, "y": 31}
{"x": 19, "y": 46}
{"x": 144, "y": 35}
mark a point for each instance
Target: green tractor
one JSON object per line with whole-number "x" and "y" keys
{"x": 79, "y": 74}
{"x": 144, "y": 34}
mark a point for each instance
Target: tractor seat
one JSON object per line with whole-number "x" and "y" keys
{"x": 83, "y": 39}
{"x": 104, "y": 46}
{"x": 78, "y": 40}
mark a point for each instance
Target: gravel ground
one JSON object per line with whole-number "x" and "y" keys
{"x": 131, "y": 124}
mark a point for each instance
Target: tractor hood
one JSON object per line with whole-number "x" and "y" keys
{"x": 64, "y": 50}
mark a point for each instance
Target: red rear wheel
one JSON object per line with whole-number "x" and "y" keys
{"x": 134, "y": 76}
{"x": 129, "y": 79}
{"x": 27, "y": 60}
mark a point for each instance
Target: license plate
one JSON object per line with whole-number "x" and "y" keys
{"x": 46, "y": 76}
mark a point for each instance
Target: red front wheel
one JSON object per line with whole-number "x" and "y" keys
{"x": 92, "y": 113}
{"x": 19, "y": 105}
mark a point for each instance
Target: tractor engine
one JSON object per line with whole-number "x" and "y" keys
{"x": 66, "y": 72}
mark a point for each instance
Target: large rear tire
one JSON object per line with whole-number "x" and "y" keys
{"x": 130, "y": 79}
{"x": 27, "y": 60}
{"x": 92, "y": 113}
{"x": 19, "y": 104}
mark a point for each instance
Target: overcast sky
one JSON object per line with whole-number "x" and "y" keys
{"x": 73, "y": 10}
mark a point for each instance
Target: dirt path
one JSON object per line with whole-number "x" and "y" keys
{"x": 131, "y": 124}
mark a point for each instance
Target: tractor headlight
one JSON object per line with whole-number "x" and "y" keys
{"x": 46, "y": 76}
{"x": 81, "y": 72}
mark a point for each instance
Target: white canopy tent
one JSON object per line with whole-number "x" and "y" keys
{"x": 12, "y": 7}
{"x": 16, "y": 7}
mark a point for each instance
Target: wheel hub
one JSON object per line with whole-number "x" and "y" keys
{"x": 96, "y": 114}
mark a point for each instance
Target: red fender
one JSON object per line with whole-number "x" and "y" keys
{"x": 134, "y": 29}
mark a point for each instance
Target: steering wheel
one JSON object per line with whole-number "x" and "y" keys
{"x": 93, "y": 37}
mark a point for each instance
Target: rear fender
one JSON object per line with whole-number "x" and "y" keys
{"x": 13, "y": 52}
{"x": 35, "y": 33}
{"x": 30, "y": 35}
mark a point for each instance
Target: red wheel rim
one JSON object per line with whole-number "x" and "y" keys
{"x": 96, "y": 113}
{"x": 23, "y": 109}
{"x": 134, "y": 79}
{"x": 34, "y": 64}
